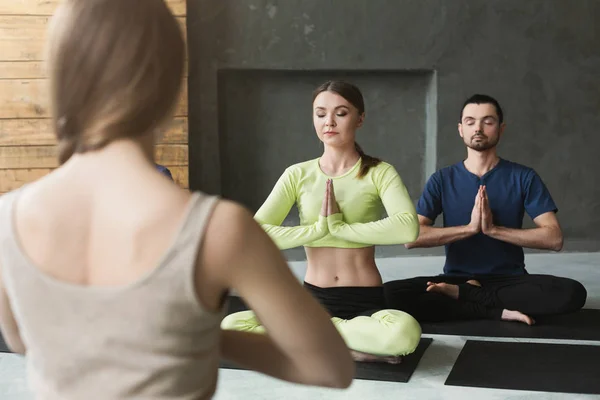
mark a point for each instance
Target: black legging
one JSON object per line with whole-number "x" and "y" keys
{"x": 534, "y": 295}
{"x": 347, "y": 302}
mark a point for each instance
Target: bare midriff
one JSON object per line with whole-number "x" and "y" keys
{"x": 331, "y": 267}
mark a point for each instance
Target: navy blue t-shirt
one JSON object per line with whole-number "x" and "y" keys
{"x": 512, "y": 190}
{"x": 164, "y": 170}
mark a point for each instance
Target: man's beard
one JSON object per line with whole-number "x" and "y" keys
{"x": 482, "y": 145}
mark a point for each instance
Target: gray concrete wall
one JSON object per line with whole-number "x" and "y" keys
{"x": 254, "y": 64}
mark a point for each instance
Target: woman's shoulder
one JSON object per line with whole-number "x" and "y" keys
{"x": 383, "y": 168}
{"x": 297, "y": 171}
{"x": 227, "y": 231}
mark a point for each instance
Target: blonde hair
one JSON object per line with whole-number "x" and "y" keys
{"x": 115, "y": 71}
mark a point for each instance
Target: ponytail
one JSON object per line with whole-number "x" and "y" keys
{"x": 72, "y": 139}
{"x": 367, "y": 161}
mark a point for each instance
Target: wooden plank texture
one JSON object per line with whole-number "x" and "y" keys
{"x": 11, "y": 179}
{"x": 28, "y": 157}
{"x": 22, "y": 69}
{"x": 26, "y": 132}
{"x": 27, "y": 143}
{"x": 181, "y": 176}
{"x": 47, "y": 7}
{"x": 171, "y": 155}
{"x": 38, "y": 132}
{"x": 28, "y": 98}
{"x": 33, "y": 69}
{"x": 20, "y": 98}
{"x": 34, "y": 157}
{"x": 22, "y": 37}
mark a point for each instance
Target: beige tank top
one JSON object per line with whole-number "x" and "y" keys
{"x": 151, "y": 339}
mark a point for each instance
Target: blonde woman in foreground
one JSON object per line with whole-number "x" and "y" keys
{"x": 113, "y": 279}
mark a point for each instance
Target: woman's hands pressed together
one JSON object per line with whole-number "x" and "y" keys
{"x": 332, "y": 205}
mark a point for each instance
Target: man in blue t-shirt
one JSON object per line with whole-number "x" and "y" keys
{"x": 483, "y": 200}
{"x": 164, "y": 170}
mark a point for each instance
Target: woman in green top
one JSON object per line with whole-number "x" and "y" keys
{"x": 341, "y": 197}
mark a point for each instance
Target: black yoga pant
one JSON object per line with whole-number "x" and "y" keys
{"x": 534, "y": 295}
{"x": 347, "y": 302}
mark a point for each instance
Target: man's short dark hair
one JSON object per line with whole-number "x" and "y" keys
{"x": 483, "y": 99}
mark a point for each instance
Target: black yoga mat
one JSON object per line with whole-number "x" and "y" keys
{"x": 581, "y": 325}
{"x": 528, "y": 366}
{"x": 367, "y": 371}
{"x": 380, "y": 371}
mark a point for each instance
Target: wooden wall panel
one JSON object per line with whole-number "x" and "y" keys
{"x": 28, "y": 98}
{"x": 47, "y": 7}
{"x": 11, "y": 179}
{"x": 22, "y": 70}
{"x": 34, "y": 157}
{"x": 181, "y": 176}
{"x": 172, "y": 155}
{"x": 23, "y": 98}
{"x": 26, "y": 132}
{"x": 25, "y": 157}
{"x": 22, "y": 37}
{"x": 31, "y": 70}
{"x": 38, "y": 132}
{"x": 27, "y": 143}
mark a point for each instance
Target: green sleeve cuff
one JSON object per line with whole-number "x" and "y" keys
{"x": 335, "y": 220}
{"x": 321, "y": 224}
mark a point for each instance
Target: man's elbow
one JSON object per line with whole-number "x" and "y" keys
{"x": 558, "y": 243}
{"x": 555, "y": 239}
{"x": 411, "y": 240}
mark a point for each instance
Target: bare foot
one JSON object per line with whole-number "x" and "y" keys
{"x": 474, "y": 282}
{"x": 443, "y": 288}
{"x": 366, "y": 357}
{"x": 508, "y": 315}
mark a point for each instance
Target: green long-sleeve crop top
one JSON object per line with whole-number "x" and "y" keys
{"x": 361, "y": 201}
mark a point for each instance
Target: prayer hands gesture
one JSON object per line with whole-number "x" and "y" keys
{"x": 329, "y": 206}
{"x": 475, "y": 223}
{"x": 487, "y": 220}
{"x": 481, "y": 217}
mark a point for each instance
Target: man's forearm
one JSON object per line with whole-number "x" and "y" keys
{"x": 433, "y": 237}
{"x": 543, "y": 238}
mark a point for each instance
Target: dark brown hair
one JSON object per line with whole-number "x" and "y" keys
{"x": 483, "y": 99}
{"x": 353, "y": 95}
{"x": 116, "y": 69}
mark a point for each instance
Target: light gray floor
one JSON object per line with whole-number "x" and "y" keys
{"x": 428, "y": 380}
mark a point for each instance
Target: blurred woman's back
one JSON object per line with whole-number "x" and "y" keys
{"x": 113, "y": 278}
